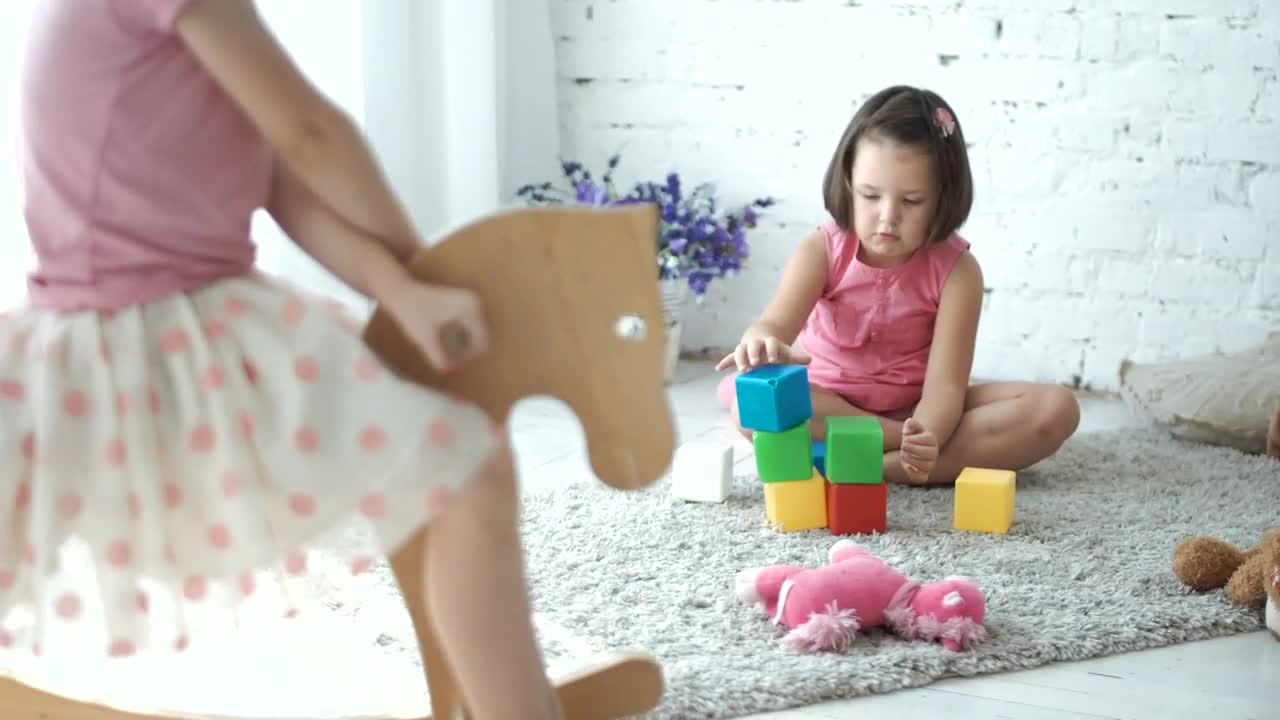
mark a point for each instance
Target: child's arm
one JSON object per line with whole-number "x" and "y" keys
{"x": 365, "y": 263}
{"x": 313, "y": 137}
{"x": 955, "y": 333}
{"x": 769, "y": 338}
{"x": 359, "y": 259}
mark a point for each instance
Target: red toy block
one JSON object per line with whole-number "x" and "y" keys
{"x": 857, "y": 509}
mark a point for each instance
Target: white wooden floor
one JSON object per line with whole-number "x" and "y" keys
{"x": 1235, "y": 678}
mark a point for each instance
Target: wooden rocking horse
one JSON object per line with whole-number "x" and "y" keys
{"x": 572, "y": 305}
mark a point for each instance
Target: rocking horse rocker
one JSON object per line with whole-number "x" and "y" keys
{"x": 572, "y": 306}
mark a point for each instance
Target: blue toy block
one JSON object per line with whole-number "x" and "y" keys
{"x": 773, "y": 398}
{"x": 820, "y": 457}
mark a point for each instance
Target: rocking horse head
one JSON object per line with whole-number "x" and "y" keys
{"x": 571, "y": 298}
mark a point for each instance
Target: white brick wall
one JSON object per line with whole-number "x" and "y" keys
{"x": 1127, "y": 152}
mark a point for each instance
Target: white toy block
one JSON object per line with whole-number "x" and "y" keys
{"x": 702, "y": 472}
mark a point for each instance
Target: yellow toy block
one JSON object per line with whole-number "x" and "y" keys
{"x": 985, "y": 500}
{"x": 793, "y": 505}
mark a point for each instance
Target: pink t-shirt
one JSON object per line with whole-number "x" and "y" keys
{"x": 869, "y": 334}
{"x": 141, "y": 176}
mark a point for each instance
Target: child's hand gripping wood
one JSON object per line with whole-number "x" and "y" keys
{"x": 570, "y": 303}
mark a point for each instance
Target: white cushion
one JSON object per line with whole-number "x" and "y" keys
{"x": 1219, "y": 399}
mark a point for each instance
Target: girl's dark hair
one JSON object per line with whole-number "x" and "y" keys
{"x": 917, "y": 118}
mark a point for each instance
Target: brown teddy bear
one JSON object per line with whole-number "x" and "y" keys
{"x": 1208, "y": 563}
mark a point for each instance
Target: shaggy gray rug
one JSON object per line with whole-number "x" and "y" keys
{"x": 1084, "y": 572}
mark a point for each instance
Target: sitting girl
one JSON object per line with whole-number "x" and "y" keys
{"x": 881, "y": 303}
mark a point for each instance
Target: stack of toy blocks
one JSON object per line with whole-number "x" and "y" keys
{"x": 857, "y": 497}
{"x": 836, "y": 483}
{"x": 773, "y": 402}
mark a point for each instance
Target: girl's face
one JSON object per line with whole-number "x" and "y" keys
{"x": 893, "y": 200}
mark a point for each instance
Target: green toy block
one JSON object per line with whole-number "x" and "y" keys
{"x": 785, "y": 455}
{"x": 855, "y": 450}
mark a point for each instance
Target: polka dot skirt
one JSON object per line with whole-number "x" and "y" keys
{"x": 165, "y": 463}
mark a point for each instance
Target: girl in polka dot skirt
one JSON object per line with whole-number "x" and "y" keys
{"x": 181, "y": 435}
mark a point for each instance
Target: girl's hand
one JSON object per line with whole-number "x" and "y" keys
{"x": 756, "y": 351}
{"x": 447, "y": 324}
{"x": 919, "y": 451}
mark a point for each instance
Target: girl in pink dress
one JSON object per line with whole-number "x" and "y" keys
{"x": 881, "y": 303}
{"x": 181, "y": 435}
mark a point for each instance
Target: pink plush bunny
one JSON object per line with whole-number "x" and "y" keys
{"x": 825, "y": 607}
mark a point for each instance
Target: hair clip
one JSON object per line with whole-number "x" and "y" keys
{"x": 943, "y": 119}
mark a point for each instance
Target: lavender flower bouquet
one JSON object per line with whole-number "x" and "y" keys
{"x": 697, "y": 241}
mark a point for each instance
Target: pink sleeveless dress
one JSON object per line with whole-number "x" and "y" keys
{"x": 179, "y": 434}
{"x": 870, "y": 332}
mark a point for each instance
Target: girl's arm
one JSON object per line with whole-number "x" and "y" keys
{"x": 312, "y": 137}
{"x": 359, "y": 259}
{"x": 798, "y": 291}
{"x": 363, "y": 261}
{"x": 946, "y": 381}
{"x": 802, "y": 282}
